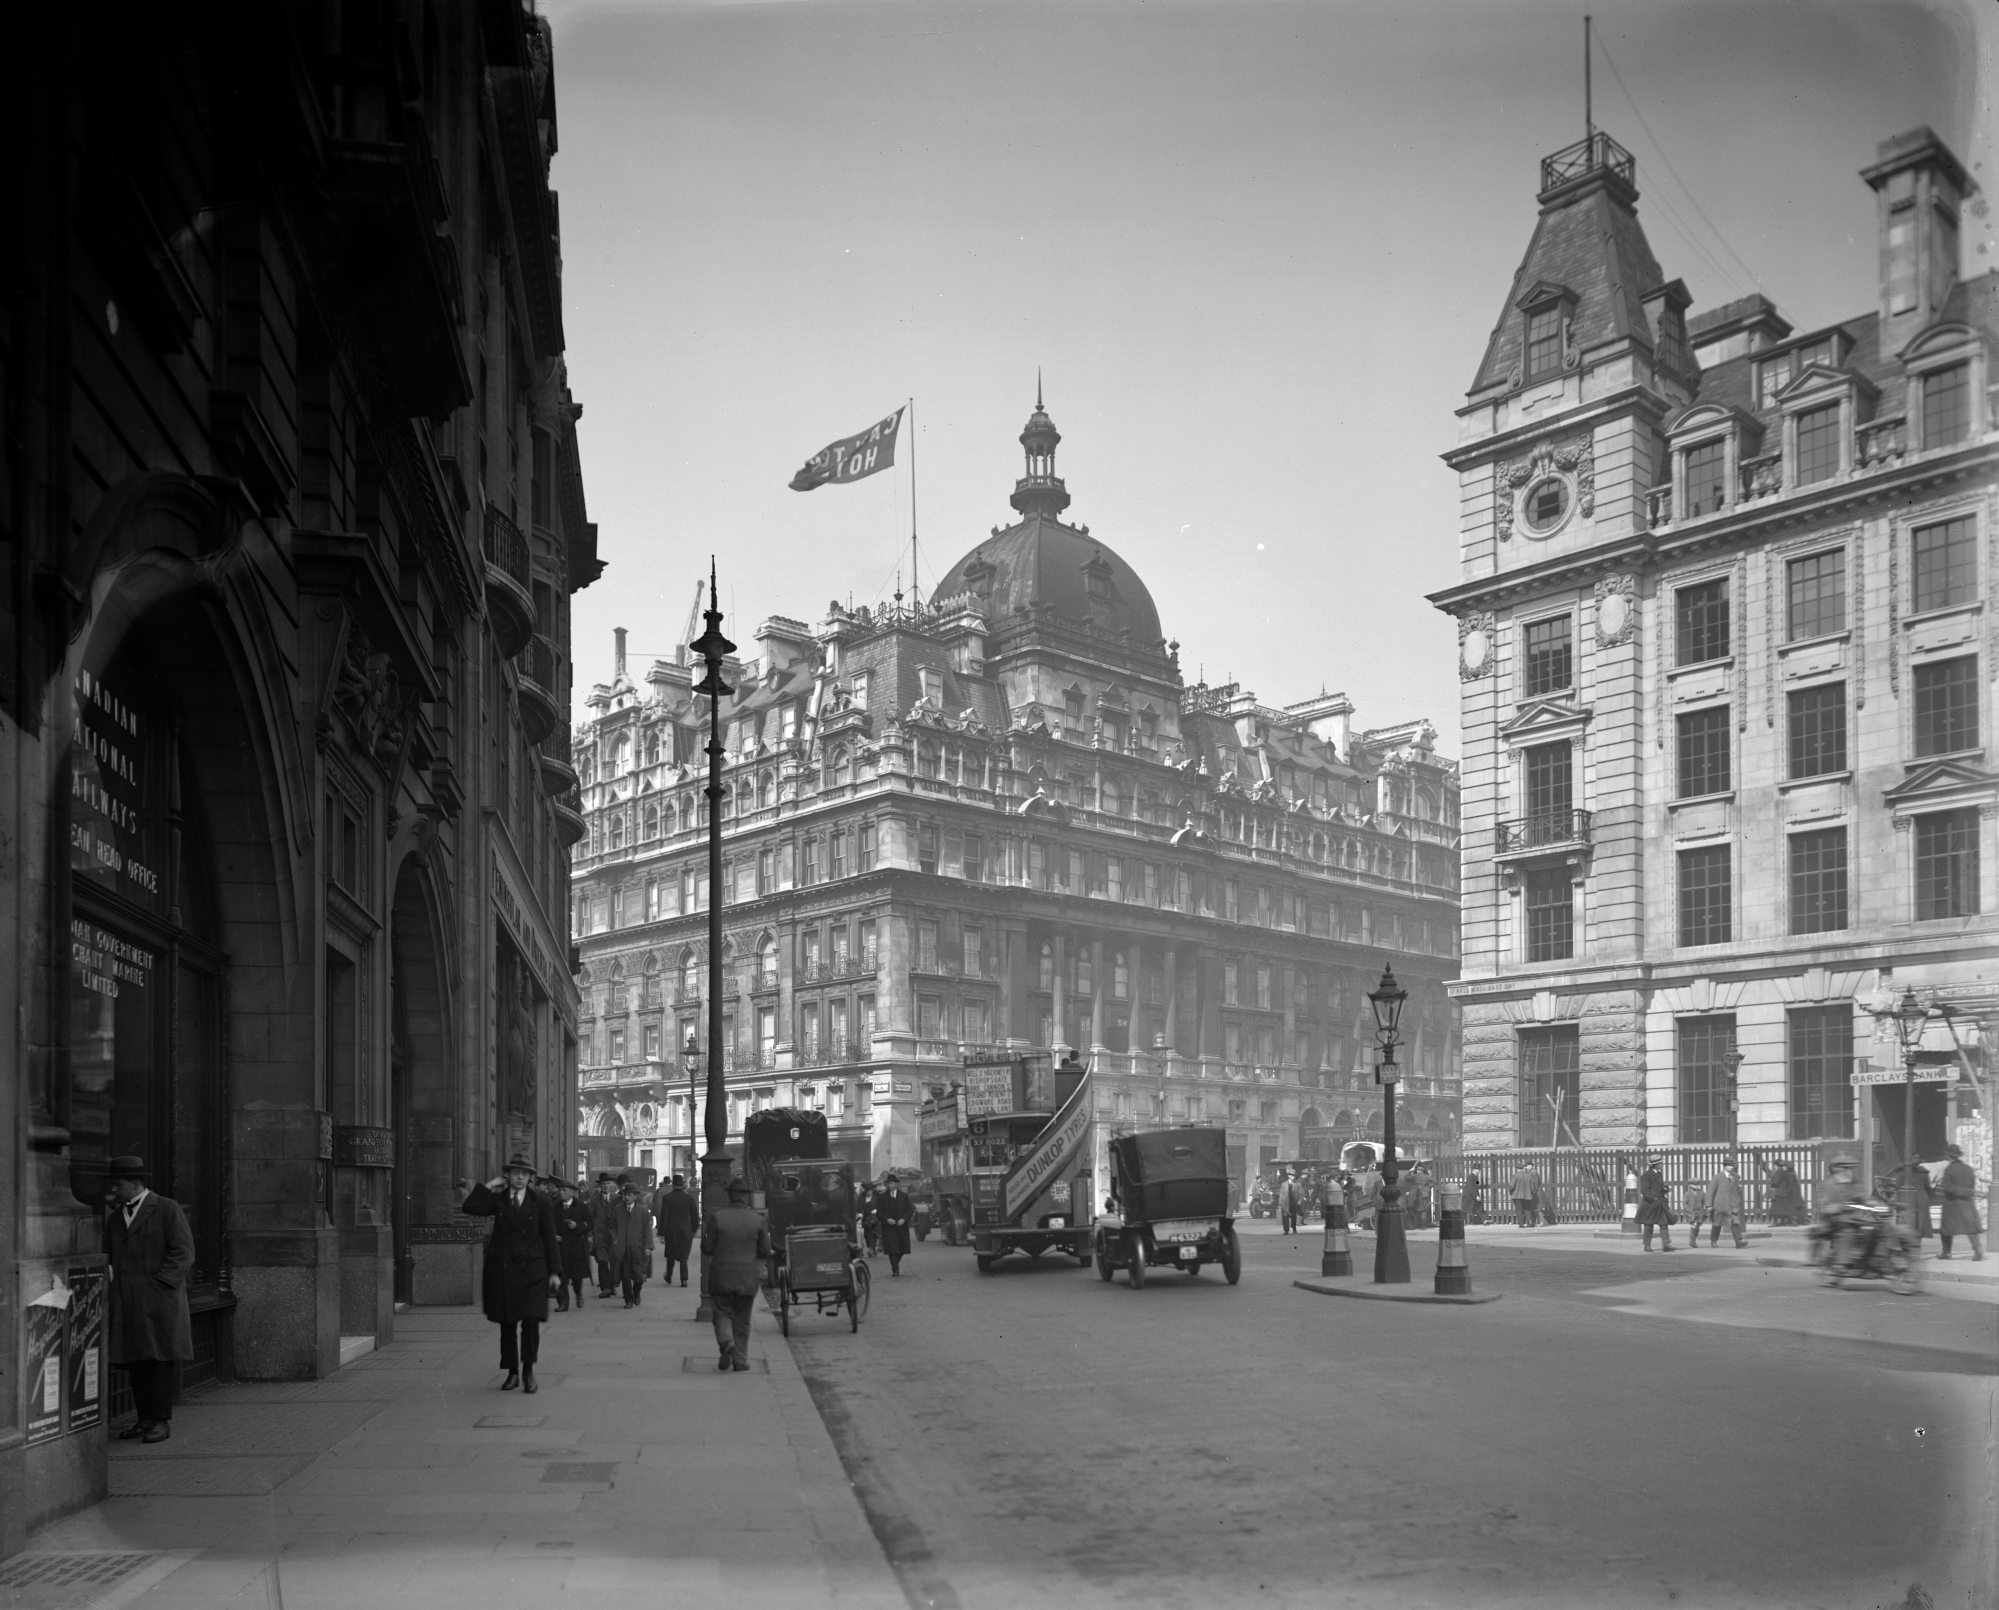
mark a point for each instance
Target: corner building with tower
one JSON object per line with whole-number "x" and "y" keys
{"x": 1003, "y": 820}
{"x": 1727, "y": 640}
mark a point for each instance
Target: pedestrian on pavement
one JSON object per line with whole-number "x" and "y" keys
{"x": 151, "y": 1250}
{"x": 1417, "y": 1195}
{"x": 1367, "y": 1198}
{"x": 603, "y": 1238}
{"x": 1287, "y": 1203}
{"x": 1653, "y": 1207}
{"x": 1474, "y": 1197}
{"x": 871, "y": 1229}
{"x": 572, "y": 1228}
{"x": 632, "y": 1236}
{"x": 523, "y": 1265}
{"x": 1958, "y": 1187}
{"x": 894, "y": 1211}
{"x": 1526, "y": 1193}
{"x": 679, "y": 1222}
{"x": 736, "y": 1241}
{"x": 1787, "y": 1195}
{"x": 1722, "y": 1200}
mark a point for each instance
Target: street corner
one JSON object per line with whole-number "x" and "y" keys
{"x": 1398, "y": 1294}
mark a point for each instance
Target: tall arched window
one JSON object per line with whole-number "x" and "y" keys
{"x": 767, "y": 961}
{"x": 690, "y": 976}
{"x": 1046, "y": 980}
{"x": 652, "y": 747}
{"x": 1111, "y": 802}
{"x": 669, "y": 820}
{"x": 766, "y": 790}
{"x": 621, "y": 754}
{"x": 1120, "y": 976}
{"x": 1085, "y": 981}
{"x": 837, "y": 767}
{"x": 652, "y": 822}
{"x": 926, "y": 759}
{"x": 618, "y": 831}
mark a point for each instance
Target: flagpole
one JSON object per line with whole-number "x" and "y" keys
{"x": 915, "y": 593}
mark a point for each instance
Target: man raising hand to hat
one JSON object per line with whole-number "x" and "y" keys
{"x": 152, "y": 1250}
{"x": 523, "y": 1265}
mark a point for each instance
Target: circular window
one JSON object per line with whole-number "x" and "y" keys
{"x": 1545, "y": 505}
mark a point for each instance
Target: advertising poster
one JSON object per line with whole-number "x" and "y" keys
{"x": 86, "y": 1348}
{"x": 41, "y": 1370}
{"x": 989, "y": 1090}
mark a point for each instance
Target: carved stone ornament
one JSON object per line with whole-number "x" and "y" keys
{"x": 1574, "y": 460}
{"x": 1616, "y": 611}
{"x": 1476, "y": 636}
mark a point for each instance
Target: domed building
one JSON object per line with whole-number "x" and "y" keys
{"x": 999, "y": 821}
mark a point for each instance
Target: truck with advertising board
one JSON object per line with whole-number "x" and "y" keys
{"x": 1012, "y": 1145}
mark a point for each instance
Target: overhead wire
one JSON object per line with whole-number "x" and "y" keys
{"x": 1674, "y": 173}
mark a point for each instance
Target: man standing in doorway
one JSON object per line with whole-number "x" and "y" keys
{"x": 151, "y": 1250}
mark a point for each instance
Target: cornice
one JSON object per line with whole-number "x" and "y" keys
{"x": 1633, "y": 399}
{"x": 1637, "y": 551}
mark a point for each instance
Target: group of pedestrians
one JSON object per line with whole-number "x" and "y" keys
{"x": 546, "y": 1232}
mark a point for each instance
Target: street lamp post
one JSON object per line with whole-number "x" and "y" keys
{"x": 690, "y": 1063}
{"x": 1910, "y": 1017}
{"x": 713, "y": 648}
{"x": 1732, "y": 1059}
{"x": 1391, "y": 1245}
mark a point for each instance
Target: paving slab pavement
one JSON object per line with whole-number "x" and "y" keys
{"x": 409, "y": 1478}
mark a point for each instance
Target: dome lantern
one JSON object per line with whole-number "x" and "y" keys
{"x": 1040, "y": 489}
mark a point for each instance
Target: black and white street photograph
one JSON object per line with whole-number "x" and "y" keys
{"x": 999, "y": 805}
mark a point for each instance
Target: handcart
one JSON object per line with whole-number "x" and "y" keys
{"x": 810, "y": 1204}
{"x": 820, "y": 1266}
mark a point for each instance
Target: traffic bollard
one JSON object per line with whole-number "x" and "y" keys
{"x": 1337, "y": 1258}
{"x": 1453, "y": 1273}
{"x": 1628, "y": 1223}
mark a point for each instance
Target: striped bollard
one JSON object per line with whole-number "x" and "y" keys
{"x": 1628, "y": 1224}
{"x": 1453, "y": 1273}
{"x": 1337, "y": 1258}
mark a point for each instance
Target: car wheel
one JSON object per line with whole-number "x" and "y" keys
{"x": 1231, "y": 1255}
{"x": 1135, "y": 1262}
{"x": 1105, "y": 1268}
{"x": 986, "y": 1261}
{"x": 783, "y": 1314}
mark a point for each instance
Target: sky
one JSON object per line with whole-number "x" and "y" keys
{"x": 1253, "y": 249}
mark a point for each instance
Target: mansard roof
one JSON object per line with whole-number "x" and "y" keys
{"x": 1588, "y": 243}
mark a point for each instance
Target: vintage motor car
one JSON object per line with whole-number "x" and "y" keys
{"x": 1169, "y": 1206}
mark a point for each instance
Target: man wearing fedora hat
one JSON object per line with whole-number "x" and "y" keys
{"x": 1958, "y": 1187}
{"x": 523, "y": 1265}
{"x": 152, "y": 1250}
{"x": 1654, "y": 1210}
{"x": 736, "y": 1241}
{"x": 604, "y": 1232}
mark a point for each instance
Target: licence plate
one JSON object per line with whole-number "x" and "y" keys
{"x": 1189, "y": 1254}
{"x": 1182, "y": 1229}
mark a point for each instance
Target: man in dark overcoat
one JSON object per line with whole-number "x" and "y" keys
{"x": 736, "y": 1241}
{"x": 632, "y": 1227}
{"x": 603, "y": 1239}
{"x": 572, "y": 1225}
{"x": 679, "y": 1222}
{"x": 1958, "y": 1187}
{"x": 152, "y": 1251}
{"x": 523, "y": 1265}
{"x": 1787, "y": 1195}
{"x": 1654, "y": 1209}
{"x": 894, "y": 1210}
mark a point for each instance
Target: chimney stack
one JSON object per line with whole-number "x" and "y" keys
{"x": 618, "y": 634}
{"x": 1919, "y": 186}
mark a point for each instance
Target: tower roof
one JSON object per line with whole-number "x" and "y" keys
{"x": 1588, "y": 250}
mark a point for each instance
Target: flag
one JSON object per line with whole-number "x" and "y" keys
{"x": 852, "y": 457}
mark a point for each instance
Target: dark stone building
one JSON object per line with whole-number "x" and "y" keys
{"x": 290, "y": 513}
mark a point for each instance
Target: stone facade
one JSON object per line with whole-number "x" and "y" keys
{"x": 1002, "y": 819}
{"x": 1727, "y": 652}
{"x": 293, "y": 514}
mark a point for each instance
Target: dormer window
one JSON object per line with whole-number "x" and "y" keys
{"x": 932, "y": 683}
{"x": 1946, "y": 405}
{"x": 1544, "y": 342}
{"x": 1707, "y": 477}
{"x": 1818, "y": 442}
